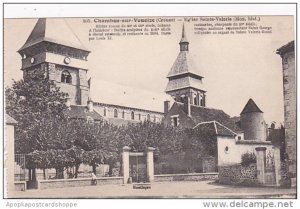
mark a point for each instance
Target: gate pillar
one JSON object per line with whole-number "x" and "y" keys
{"x": 150, "y": 164}
{"x": 261, "y": 163}
{"x": 125, "y": 159}
{"x": 277, "y": 165}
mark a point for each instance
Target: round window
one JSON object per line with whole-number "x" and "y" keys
{"x": 226, "y": 149}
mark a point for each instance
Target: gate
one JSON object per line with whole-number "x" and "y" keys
{"x": 138, "y": 167}
{"x": 270, "y": 177}
{"x": 19, "y": 168}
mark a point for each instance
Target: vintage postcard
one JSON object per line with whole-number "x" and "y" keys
{"x": 150, "y": 107}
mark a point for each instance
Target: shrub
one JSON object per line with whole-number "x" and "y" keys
{"x": 248, "y": 158}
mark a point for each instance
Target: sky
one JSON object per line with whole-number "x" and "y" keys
{"x": 235, "y": 67}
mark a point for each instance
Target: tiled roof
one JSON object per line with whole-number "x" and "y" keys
{"x": 251, "y": 107}
{"x": 204, "y": 114}
{"x": 82, "y": 112}
{"x": 54, "y": 30}
{"x": 10, "y": 120}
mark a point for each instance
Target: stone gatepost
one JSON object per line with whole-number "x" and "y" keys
{"x": 125, "y": 158}
{"x": 277, "y": 165}
{"x": 261, "y": 163}
{"x": 150, "y": 164}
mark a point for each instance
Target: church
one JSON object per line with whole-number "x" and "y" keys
{"x": 65, "y": 60}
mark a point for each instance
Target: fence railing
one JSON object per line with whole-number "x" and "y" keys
{"x": 20, "y": 167}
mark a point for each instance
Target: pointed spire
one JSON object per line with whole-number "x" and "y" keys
{"x": 250, "y": 107}
{"x": 183, "y": 36}
{"x": 184, "y": 43}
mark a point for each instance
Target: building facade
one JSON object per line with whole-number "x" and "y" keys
{"x": 63, "y": 58}
{"x": 287, "y": 53}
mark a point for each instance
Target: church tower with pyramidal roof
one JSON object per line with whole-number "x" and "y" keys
{"x": 185, "y": 82}
{"x": 53, "y": 48}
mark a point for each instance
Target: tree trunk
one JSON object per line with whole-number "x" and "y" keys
{"x": 44, "y": 173}
{"x": 34, "y": 174}
{"x": 59, "y": 173}
{"x": 76, "y": 170}
{"x": 29, "y": 174}
{"x": 110, "y": 171}
{"x": 94, "y": 168}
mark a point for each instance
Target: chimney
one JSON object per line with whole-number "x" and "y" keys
{"x": 187, "y": 105}
{"x": 166, "y": 106}
{"x": 68, "y": 102}
{"x": 90, "y": 105}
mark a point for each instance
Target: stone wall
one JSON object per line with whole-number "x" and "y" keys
{"x": 289, "y": 91}
{"x": 230, "y": 150}
{"x": 238, "y": 175}
{"x": 186, "y": 177}
{"x": 61, "y": 183}
{"x": 122, "y": 113}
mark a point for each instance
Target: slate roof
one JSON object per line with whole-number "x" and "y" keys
{"x": 9, "y": 120}
{"x": 286, "y": 48}
{"x": 202, "y": 115}
{"x": 81, "y": 112}
{"x": 182, "y": 65}
{"x": 251, "y": 107}
{"x": 54, "y": 30}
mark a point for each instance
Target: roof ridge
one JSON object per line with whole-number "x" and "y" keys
{"x": 226, "y": 127}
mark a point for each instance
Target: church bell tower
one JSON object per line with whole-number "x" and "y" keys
{"x": 185, "y": 82}
{"x": 54, "y": 49}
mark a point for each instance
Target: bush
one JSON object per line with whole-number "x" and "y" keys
{"x": 248, "y": 158}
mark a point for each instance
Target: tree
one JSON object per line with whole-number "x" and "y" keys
{"x": 38, "y": 106}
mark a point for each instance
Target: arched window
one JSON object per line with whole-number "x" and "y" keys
{"x": 104, "y": 111}
{"x": 66, "y": 77}
{"x": 115, "y": 113}
{"x": 148, "y": 117}
{"x": 132, "y": 115}
{"x": 123, "y": 114}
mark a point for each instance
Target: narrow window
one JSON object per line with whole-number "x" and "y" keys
{"x": 139, "y": 116}
{"x": 148, "y": 117}
{"x": 104, "y": 111}
{"x": 123, "y": 114}
{"x": 154, "y": 118}
{"x": 66, "y": 77}
{"x": 175, "y": 121}
{"x": 115, "y": 113}
{"x": 132, "y": 115}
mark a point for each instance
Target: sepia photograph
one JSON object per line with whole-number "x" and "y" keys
{"x": 130, "y": 107}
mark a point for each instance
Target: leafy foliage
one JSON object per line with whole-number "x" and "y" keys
{"x": 248, "y": 158}
{"x": 51, "y": 140}
{"x": 34, "y": 102}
